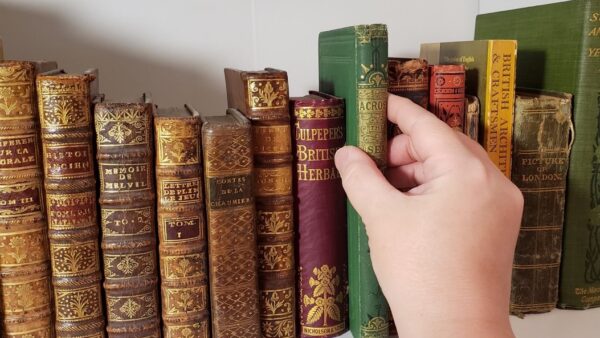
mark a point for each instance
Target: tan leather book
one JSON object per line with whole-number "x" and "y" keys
{"x": 231, "y": 224}
{"x": 181, "y": 225}
{"x": 263, "y": 98}
{"x": 25, "y": 277}
{"x": 124, "y": 139}
{"x": 65, "y": 106}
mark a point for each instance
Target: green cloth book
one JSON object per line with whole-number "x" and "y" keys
{"x": 353, "y": 65}
{"x": 559, "y": 49}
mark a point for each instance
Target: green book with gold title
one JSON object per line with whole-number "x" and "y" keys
{"x": 559, "y": 49}
{"x": 353, "y": 65}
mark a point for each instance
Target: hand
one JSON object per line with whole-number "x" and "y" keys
{"x": 442, "y": 226}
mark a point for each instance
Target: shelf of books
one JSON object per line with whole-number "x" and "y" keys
{"x": 130, "y": 219}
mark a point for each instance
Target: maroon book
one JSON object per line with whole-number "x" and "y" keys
{"x": 321, "y": 215}
{"x": 447, "y": 94}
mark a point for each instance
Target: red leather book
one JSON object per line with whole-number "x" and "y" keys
{"x": 320, "y": 214}
{"x": 447, "y": 94}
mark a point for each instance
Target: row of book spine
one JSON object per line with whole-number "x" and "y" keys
{"x": 250, "y": 261}
{"x": 249, "y": 186}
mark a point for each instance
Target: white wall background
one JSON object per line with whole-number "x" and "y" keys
{"x": 177, "y": 49}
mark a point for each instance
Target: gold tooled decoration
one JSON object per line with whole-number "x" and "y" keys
{"x": 327, "y": 297}
{"x": 318, "y": 113}
{"x": 376, "y": 327}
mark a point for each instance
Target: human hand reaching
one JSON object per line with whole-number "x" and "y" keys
{"x": 442, "y": 226}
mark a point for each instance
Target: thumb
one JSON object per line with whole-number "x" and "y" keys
{"x": 366, "y": 187}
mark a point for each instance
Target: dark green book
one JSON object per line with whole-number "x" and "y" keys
{"x": 559, "y": 49}
{"x": 353, "y": 65}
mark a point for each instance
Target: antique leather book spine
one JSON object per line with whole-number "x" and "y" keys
{"x": 543, "y": 137}
{"x": 67, "y": 141}
{"x": 472, "y": 117}
{"x": 25, "y": 275}
{"x": 124, "y": 141}
{"x": 409, "y": 78}
{"x": 362, "y": 52}
{"x": 319, "y": 126}
{"x": 263, "y": 98}
{"x": 447, "y": 94}
{"x": 231, "y": 222}
{"x": 181, "y": 225}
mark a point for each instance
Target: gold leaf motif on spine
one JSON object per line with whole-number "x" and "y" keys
{"x": 122, "y": 126}
{"x": 308, "y": 113}
{"x": 185, "y": 300}
{"x": 274, "y": 222}
{"x": 267, "y": 94}
{"x": 70, "y": 260}
{"x": 275, "y": 257}
{"x": 277, "y": 314}
{"x": 130, "y": 308}
{"x": 78, "y": 304}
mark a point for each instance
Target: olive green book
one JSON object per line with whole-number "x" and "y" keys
{"x": 353, "y": 65}
{"x": 559, "y": 49}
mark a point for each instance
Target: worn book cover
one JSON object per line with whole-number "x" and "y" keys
{"x": 319, "y": 130}
{"x": 231, "y": 220}
{"x": 566, "y": 58}
{"x": 409, "y": 78}
{"x": 490, "y": 75}
{"x": 353, "y": 65}
{"x": 262, "y": 96}
{"x": 124, "y": 141}
{"x": 25, "y": 275}
{"x": 472, "y": 117}
{"x": 65, "y": 107}
{"x": 542, "y": 141}
{"x": 447, "y": 94}
{"x": 181, "y": 225}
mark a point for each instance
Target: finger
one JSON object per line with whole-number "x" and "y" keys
{"x": 429, "y": 135}
{"x": 401, "y": 151}
{"x": 406, "y": 176}
{"x": 364, "y": 183}
{"x": 473, "y": 146}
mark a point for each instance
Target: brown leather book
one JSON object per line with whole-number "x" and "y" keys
{"x": 127, "y": 212}
{"x": 319, "y": 128}
{"x": 409, "y": 78}
{"x": 25, "y": 283}
{"x": 181, "y": 226}
{"x": 65, "y": 106}
{"x": 543, "y": 137}
{"x": 232, "y": 256}
{"x": 263, "y": 98}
